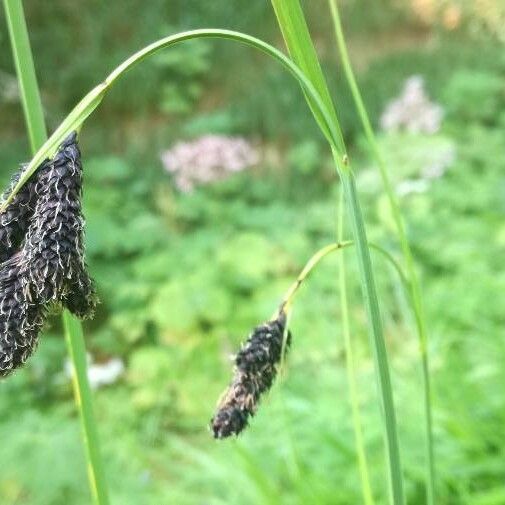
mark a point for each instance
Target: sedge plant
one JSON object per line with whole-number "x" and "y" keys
{"x": 304, "y": 67}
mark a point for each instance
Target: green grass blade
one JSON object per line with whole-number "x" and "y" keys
{"x": 377, "y": 337}
{"x": 415, "y": 288}
{"x": 289, "y": 13}
{"x": 297, "y": 38}
{"x": 366, "y": 488}
{"x": 25, "y": 69}
{"x": 33, "y": 111}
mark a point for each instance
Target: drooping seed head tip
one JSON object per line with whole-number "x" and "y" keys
{"x": 255, "y": 370}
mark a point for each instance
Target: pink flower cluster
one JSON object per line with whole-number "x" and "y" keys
{"x": 208, "y": 158}
{"x": 412, "y": 110}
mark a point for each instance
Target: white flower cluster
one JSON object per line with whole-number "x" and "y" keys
{"x": 412, "y": 110}
{"x": 208, "y": 158}
{"x": 99, "y": 374}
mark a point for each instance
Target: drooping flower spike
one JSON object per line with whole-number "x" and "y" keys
{"x": 53, "y": 264}
{"x": 46, "y": 226}
{"x": 256, "y": 366}
{"x": 257, "y": 363}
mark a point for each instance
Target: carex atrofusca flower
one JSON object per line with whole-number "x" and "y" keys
{"x": 256, "y": 366}
{"x": 47, "y": 266}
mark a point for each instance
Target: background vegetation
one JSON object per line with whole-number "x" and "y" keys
{"x": 184, "y": 276}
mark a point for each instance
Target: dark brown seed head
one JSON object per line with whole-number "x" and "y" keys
{"x": 53, "y": 260}
{"x": 263, "y": 347}
{"x": 255, "y": 370}
{"x": 43, "y": 255}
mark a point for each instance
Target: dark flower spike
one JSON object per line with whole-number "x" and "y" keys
{"x": 14, "y": 221}
{"x": 256, "y": 367}
{"x": 257, "y": 362}
{"x": 53, "y": 263}
{"x": 49, "y": 265}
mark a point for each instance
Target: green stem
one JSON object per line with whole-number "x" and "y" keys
{"x": 25, "y": 69}
{"x": 307, "y": 269}
{"x": 376, "y": 336}
{"x": 415, "y": 288}
{"x": 33, "y": 111}
{"x": 351, "y": 371}
{"x": 84, "y": 400}
{"x": 288, "y": 298}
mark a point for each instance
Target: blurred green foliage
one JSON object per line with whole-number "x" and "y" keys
{"x": 184, "y": 277}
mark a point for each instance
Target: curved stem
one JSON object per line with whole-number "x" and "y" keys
{"x": 315, "y": 259}
{"x": 414, "y": 284}
{"x": 91, "y": 101}
{"x": 287, "y": 301}
{"x": 390, "y": 258}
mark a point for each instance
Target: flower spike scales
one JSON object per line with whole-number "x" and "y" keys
{"x": 42, "y": 254}
{"x": 256, "y": 366}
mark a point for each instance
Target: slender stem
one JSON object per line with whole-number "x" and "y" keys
{"x": 376, "y": 337}
{"x": 25, "y": 69}
{"x": 390, "y": 258}
{"x": 33, "y": 111}
{"x": 351, "y": 371}
{"x": 288, "y": 298}
{"x": 84, "y": 400}
{"x": 414, "y": 283}
{"x": 307, "y": 269}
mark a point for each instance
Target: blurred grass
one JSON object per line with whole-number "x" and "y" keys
{"x": 182, "y": 281}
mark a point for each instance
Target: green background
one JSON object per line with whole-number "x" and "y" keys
{"x": 183, "y": 278}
